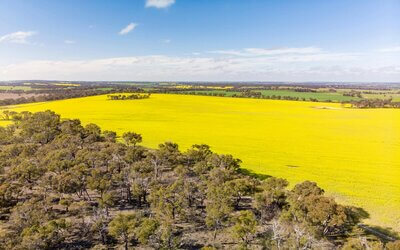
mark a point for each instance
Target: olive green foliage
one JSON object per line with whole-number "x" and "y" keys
{"x": 68, "y": 186}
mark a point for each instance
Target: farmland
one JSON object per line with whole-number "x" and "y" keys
{"x": 10, "y": 87}
{"x": 353, "y": 154}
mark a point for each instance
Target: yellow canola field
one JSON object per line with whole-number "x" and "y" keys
{"x": 354, "y": 154}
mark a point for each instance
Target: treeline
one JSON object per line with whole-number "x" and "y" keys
{"x": 375, "y": 103}
{"x": 353, "y": 93}
{"x": 129, "y": 97}
{"x": 64, "y": 93}
{"x": 68, "y": 186}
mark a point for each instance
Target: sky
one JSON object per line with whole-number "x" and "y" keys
{"x": 200, "y": 40}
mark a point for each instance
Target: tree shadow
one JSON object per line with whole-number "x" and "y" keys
{"x": 251, "y": 173}
{"x": 385, "y": 234}
{"x": 358, "y": 213}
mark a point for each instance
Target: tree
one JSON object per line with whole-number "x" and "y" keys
{"x": 110, "y": 136}
{"x": 132, "y": 138}
{"x": 272, "y": 197}
{"x": 140, "y": 175}
{"x": 197, "y": 153}
{"x": 107, "y": 200}
{"x": 322, "y": 214}
{"x": 245, "y": 225}
{"x": 241, "y": 187}
{"x": 123, "y": 227}
{"x": 46, "y": 236}
{"x": 146, "y": 230}
{"x": 279, "y": 233}
{"x": 223, "y": 161}
{"x": 218, "y": 207}
{"x": 169, "y": 201}
{"x": 92, "y": 133}
{"x": 41, "y": 127}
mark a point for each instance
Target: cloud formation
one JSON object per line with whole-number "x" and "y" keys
{"x": 268, "y": 52}
{"x": 159, "y": 4}
{"x": 20, "y": 37}
{"x": 128, "y": 28}
{"x": 283, "y": 65}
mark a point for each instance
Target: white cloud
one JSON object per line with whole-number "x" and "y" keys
{"x": 166, "y": 41}
{"x": 288, "y": 64}
{"x": 390, "y": 49}
{"x": 279, "y": 51}
{"x": 324, "y": 67}
{"x": 69, "y": 42}
{"x": 228, "y": 52}
{"x": 268, "y": 52}
{"x": 20, "y": 37}
{"x": 128, "y": 28}
{"x": 159, "y": 4}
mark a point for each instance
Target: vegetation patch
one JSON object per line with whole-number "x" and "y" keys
{"x": 351, "y": 153}
{"x": 68, "y": 186}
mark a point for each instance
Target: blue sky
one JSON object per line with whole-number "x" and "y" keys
{"x": 204, "y": 40}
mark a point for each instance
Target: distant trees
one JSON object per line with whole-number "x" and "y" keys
{"x": 128, "y": 97}
{"x": 375, "y": 103}
{"x": 64, "y": 185}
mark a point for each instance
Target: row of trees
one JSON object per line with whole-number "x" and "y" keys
{"x": 129, "y": 97}
{"x": 68, "y": 186}
{"x": 375, "y": 103}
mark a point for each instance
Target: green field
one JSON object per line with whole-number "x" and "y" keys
{"x": 9, "y": 87}
{"x": 320, "y": 96}
{"x": 354, "y": 154}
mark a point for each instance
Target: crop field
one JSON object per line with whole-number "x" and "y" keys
{"x": 354, "y": 154}
{"x": 320, "y": 96}
{"x": 9, "y": 87}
